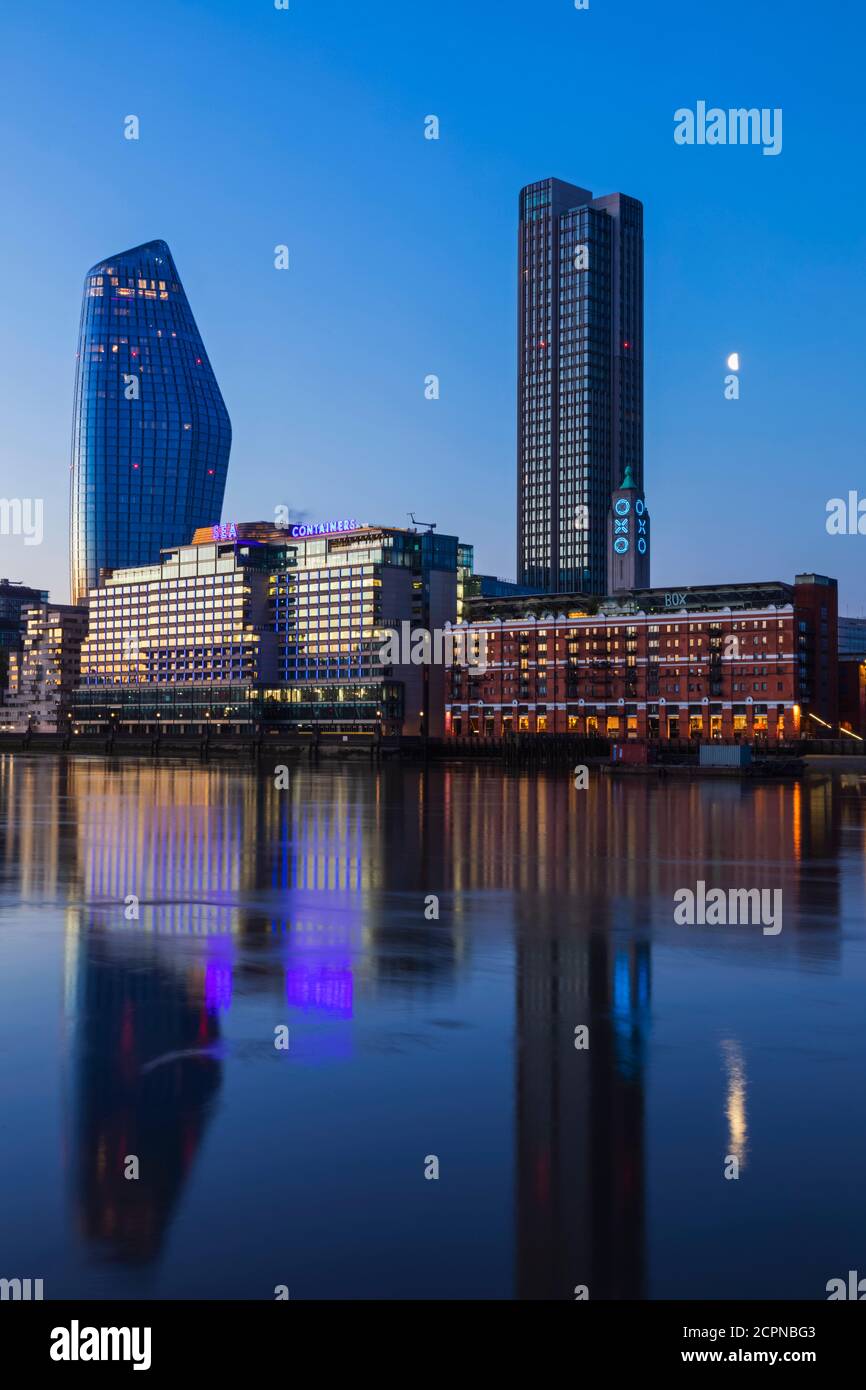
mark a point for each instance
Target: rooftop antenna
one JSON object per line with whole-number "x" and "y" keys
{"x": 431, "y": 525}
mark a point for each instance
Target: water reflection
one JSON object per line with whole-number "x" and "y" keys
{"x": 145, "y": 1049}
{"x": 738, "y": 1128}
{"x": 312, "y": 899}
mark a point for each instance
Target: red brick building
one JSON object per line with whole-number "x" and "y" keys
{"x": 746, "y": 662}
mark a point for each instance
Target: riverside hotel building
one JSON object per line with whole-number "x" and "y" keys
{"x": 252, "y": 626}
{"x": 743, "y": 662}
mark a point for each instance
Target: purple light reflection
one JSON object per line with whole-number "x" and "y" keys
{"x": 326, "y": 988}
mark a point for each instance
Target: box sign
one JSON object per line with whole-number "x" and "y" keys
{"x": 324, "y": 528}
{"x": 227, "y": 532}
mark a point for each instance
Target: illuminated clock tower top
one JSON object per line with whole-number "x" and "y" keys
{"x": 628, "y": 538}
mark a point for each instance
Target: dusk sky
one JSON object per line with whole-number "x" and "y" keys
{"x": 306, "y": 127}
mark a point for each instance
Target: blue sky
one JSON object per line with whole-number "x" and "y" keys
{"x": 305, "y": 127}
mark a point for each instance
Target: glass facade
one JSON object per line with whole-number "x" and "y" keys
{"x": 174, "y": 708}
{"x": 14, "y": 600}
{"x": 852, "y": 637}
{"x": 151, "y": 434}
{"x": 298, "y": 623}
{"x": 201, "y": 616}
{"x": 46, "y": 672}
{"x": 580, "y": 378}
{"x": 333, "y": 605}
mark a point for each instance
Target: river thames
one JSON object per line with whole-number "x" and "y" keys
{"x": 432, "y": 938}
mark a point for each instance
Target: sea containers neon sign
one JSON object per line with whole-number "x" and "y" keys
{"x": 228, "y": 530}
{"x": 324, "y": 528}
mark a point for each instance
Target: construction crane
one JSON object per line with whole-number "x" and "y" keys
{"x": 431, "y": 525}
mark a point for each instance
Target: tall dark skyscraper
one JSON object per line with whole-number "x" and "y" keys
{"x": 151, "y": 434}
{"x": 580, "y": 378}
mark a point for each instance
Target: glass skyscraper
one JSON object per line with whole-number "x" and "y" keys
{"x": 151, "y": 434}
{"x": 580, "y": 378}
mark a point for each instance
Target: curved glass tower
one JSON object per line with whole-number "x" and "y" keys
{"x": 150, "y": 433}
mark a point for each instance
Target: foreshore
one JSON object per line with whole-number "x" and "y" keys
{"x": 562, "y": 753}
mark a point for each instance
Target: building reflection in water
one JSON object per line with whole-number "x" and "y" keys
{"x": 580, "y": 1131}
{"x": 147, "y": 1072}
{"x": 274, "y": 892}
{"x": 583, "y": 873}
{"x": 311, "y": 896}
{"x": 209, "y": 855}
